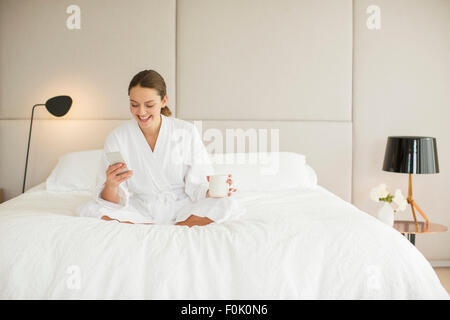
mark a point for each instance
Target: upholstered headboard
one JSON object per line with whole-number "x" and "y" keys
{"x": 252, "y": 64}
{"x": 327, "y": 145}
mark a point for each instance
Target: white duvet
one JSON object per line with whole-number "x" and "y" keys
{"x": 298, "y": 244}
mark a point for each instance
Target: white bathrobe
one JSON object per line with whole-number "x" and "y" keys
{"x": 168, "y": 184}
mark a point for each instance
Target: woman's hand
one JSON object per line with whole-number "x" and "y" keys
{"x": 194, "y": 220}
{"x": 114, "y": 178}
{"x": 230, "y": 190}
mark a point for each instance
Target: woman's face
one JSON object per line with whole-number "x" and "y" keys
{"x": 145, "y": 106}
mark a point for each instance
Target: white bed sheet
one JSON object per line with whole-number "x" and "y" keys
{"x": 297, "y": 244}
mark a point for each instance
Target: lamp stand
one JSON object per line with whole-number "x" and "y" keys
{"x": 28, "y": 147}
{"x": 413, "y": 204}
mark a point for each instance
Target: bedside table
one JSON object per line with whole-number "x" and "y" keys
{"x": 1, "y": 195}
{"x": 409, "y": 229}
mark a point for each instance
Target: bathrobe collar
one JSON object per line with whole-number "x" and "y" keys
{"x": 161, "y": 135}
{"x": 150, "y": 160}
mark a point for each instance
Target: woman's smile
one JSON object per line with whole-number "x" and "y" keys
{"x": 144, "y": 119}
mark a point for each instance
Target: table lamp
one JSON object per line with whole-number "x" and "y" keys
{"x": 57, "y": 106}
{"x": 412, "y": 155}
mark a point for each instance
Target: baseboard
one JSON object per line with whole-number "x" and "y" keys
{"x": 440, "y": 263}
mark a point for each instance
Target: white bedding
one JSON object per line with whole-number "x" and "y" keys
{"x": 298, "y": 244}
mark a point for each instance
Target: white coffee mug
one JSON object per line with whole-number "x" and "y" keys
{"x": 218, "y": 185}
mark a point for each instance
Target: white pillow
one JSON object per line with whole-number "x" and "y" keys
{"x": 257, "y": 171}
{"x": 75, "y": 171}
{"x": 265, "y": 171}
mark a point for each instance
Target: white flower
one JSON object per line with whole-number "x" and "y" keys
{"x": 379, "y": 192}
{"x": 374, "y": 195}
{"x": 383, "y": 190}
{"x": 400, "y": 200}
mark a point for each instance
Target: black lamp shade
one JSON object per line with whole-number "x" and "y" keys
{"x": 59, "y": 105}
{"x": 406, "y": 154}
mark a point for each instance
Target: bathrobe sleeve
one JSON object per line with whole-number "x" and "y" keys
{"x": 199, "y": 166}
{"x": 111, "y": 145}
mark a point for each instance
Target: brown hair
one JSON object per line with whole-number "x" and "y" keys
{"x": 153, "y": 80}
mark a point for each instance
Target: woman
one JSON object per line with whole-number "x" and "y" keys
{"x": 169, "y": 167}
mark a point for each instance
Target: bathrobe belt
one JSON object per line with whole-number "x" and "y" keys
{"x": 164, "y": 196}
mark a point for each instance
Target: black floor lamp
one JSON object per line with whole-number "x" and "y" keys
{"x": 57, "y": 106}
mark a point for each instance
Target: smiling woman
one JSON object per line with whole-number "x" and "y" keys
{"x": 169, "y": 180}
{"x": 152, "y": 80}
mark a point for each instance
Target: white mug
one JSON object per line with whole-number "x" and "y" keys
{"x": 218, "y": 185}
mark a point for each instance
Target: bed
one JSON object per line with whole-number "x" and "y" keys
{"x": 295, "y": 241}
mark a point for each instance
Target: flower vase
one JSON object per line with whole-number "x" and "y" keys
{"x": 386, "y": 214}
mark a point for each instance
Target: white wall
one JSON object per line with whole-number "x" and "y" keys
{"x": 401, "y": 86}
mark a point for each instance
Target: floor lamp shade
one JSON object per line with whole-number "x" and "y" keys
{"x": 411, "y": 155}
{"x": 59, "y": 106}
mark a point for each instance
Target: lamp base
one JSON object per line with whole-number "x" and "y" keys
{"x": 413, "y": 204}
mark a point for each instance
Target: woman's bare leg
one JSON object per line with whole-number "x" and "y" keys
{"x": 194, "y": 220}
{"x": 129, "y": 222}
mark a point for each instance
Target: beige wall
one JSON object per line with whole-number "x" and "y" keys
{"x": 270, "y": 61}
{"x": 265, "y": 64}
{"x": 401, "y": 86}
{"x": 273, "y": 60}
{"x": 41, "y": 58}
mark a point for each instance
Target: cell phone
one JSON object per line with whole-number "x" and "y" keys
{"x": 116, "y": 157}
